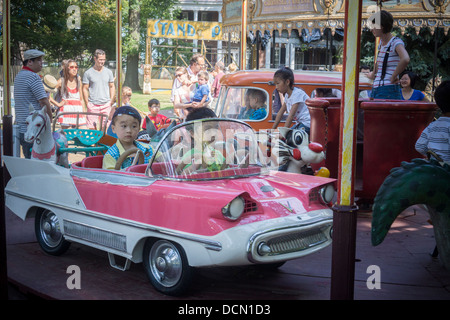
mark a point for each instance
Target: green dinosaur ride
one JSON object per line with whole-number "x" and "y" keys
{"x": 417, "y": 182}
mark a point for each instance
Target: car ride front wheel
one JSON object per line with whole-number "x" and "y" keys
{"x": 48, "y": 233}
{"x": 166, "y": 266}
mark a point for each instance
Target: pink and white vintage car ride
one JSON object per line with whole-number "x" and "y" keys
{"x": 207, "y": 198}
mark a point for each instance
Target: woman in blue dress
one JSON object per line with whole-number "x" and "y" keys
{"x": 407, "y": 82}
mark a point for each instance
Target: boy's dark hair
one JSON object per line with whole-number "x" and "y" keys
{"x": 285, "y": 73}
{"x": 324, "y": 92}
{"x": 442, "y": 96}
{"x": 259, "y": 94}
{"x": 128, "y": 111}
{"x": 200, "y": 113}
{"x": 152, "y": 102}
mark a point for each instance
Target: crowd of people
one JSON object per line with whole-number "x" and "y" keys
{"x": 195, "y": 88}
{"x": 71, "y": 95}
{"x": 74, "y": 97}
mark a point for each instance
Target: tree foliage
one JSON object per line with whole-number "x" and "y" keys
{"x": 135, "y": 28}
{"x": 44, "y": 26}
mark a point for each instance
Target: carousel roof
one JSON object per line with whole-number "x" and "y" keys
{"x": 269, "y": 15}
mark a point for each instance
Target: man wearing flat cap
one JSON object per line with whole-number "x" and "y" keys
{"x": 29, "y": 92}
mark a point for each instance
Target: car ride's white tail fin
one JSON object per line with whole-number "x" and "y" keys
{"x": 23, "y": 167}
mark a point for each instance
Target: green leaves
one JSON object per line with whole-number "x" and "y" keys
{"x": 44, "y": 25}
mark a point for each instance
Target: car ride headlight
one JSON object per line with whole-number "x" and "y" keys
{"x": 327, "y": 193}
{"x": 234, "y": 209}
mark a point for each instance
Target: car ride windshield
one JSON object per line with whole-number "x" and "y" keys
{"x": 243, "y": 103}
{"x": 210, "y": 149}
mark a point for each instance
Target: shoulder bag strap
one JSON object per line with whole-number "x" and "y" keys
{"x": 385, "y": 60}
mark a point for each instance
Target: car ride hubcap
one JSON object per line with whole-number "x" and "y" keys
{"x": 161, "y": 264}
{"x": 50, "y": 231}
{"x": 166, "y": 264}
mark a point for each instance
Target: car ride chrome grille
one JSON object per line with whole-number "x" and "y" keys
{"x": 95, "y": 235}
{"x": 250, "y": 206}
{"x": 313, "y": 195}
{"x": 296, "y": 241}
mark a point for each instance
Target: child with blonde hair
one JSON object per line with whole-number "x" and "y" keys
{"x": 201, "y": 93}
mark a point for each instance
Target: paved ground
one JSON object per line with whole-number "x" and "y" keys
{"x": 407, "y": 271}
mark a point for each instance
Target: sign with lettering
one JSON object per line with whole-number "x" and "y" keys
{"x": 278, "y": 6}
{"x": 182, "y": 29}
{"x": 233, "y": 10}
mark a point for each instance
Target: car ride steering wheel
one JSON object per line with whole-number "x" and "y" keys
{"x": 123, "y": 156}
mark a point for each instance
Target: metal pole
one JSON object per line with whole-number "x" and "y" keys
{"x": 119, "y": 51}
{"x": 4, "y": 177}
{"x": 229, "y": 48}
{"x": 257, "y": 49}
{"x": 327, "y": 51}
{"x": 436, "y": 30}
{"x": 272, "y": 51}
{"x": 243, "y": 51}
{"x": 3, "y": 255}
{"x": 7, "y": 147}
{"x": 6, "y": 59}
{"x": 344, "y": 226}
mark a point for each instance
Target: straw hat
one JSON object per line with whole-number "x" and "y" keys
{"x": 50, "y": 83}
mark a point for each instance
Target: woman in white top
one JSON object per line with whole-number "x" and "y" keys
{"x": 392, "y": 60}
{"x": 294, "y": 101}
{"x": 183, "y": 94}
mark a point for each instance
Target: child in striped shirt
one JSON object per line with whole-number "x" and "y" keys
{"x": 436, "y": 137}
{"x": 125, "y": 124}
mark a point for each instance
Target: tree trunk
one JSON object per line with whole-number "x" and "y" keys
{"x": 132, "y": 74}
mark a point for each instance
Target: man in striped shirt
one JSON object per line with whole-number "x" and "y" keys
{"x": 29, "y": 92}
{"x": 436, "y": 137}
